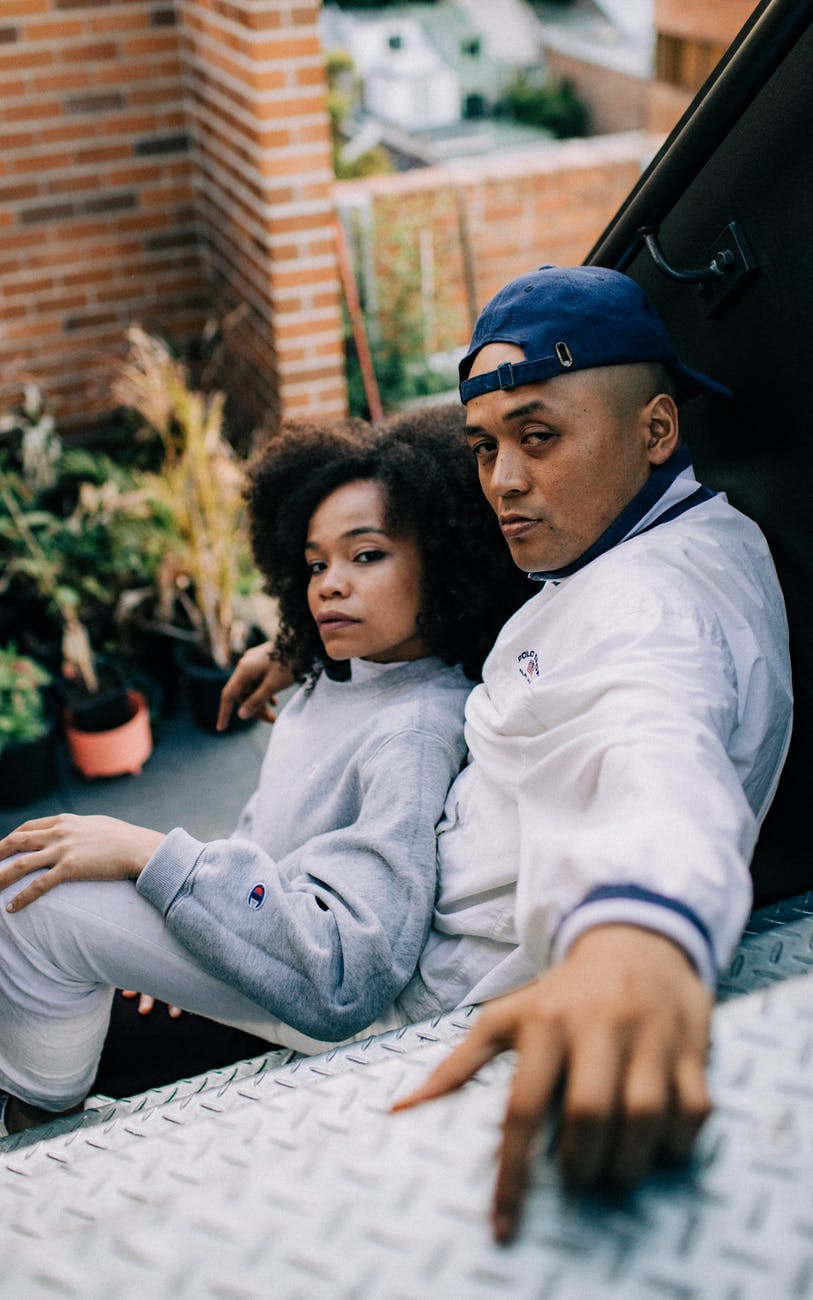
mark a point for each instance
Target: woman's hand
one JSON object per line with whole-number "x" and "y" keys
{"x": 73, "y": 848}
{"x": 146, "y": 1003}
{"x": 253, "y": 686}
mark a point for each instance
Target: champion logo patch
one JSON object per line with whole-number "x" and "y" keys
{"x": 256, "y": 896}
{"x": 528, "y": 663}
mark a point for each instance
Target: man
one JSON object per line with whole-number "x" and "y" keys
{"x": 625, "y": 743}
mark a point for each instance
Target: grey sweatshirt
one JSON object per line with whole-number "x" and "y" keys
{"x": 319, "y": 904}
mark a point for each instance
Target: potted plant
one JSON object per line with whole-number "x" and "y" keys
{"x": 69, "y": 559}
{"x": 107, "y": 726}
{"x": 27, "y": 758}
{"x": 209, "y": 592}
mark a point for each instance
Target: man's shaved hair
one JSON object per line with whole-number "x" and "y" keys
{"x": 629, "y": 387}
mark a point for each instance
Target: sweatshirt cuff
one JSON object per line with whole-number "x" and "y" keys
{"x": 631, "y": 905}
{"x": 169, "y": 868}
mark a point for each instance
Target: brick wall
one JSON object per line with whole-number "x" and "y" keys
{"x": 96, "y": 220}
{"x": 697, "y": 20}
{"x": 159, "y": 161}
{"x": 514, "y": 212}
{"x": 263, "y": 178}
{"x": 691, "y": 38}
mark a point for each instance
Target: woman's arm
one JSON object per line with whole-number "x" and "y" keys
{"x": 326, "y": 937}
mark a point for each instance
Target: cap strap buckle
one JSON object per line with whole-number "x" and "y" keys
{"x": 505, "y": 375}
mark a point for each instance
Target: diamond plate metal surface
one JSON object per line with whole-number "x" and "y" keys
{"x": 296, "y": 1182}
{"x": 286, "y": 1176}
{"x": 777, "y": 944}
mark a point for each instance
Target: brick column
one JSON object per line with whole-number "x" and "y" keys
{"x": 257, "y": 113}
{"x": 96, "y": 218}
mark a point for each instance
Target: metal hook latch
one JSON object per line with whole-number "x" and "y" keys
{"x": 730, "y": 262}
{"x": 715, "y": 270}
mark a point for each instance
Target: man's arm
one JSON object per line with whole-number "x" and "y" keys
{"x": 622, "y": 1024}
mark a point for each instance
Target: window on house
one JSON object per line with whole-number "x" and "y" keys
{"x": 685, "y": 63}
{"x": 472, "y": 48}
{"x": 395, "y": 41}
{"x": 474, "y": 106}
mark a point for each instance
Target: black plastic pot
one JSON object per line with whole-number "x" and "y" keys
{"x": 204, "y": 682}
{"x": 103, "y": 711}
{"x": 107, "y": 708}
{"x": 28, "y": 770}
{"x": 157, "y": 653}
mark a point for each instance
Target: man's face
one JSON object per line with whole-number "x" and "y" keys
{"x": 559, "y": 460}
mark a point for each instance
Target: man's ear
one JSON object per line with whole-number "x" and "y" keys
{"x": 662, "y": 428}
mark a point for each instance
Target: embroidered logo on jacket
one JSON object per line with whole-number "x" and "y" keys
{"x": 529, "y": 665}
{"x": 256, "y": 896}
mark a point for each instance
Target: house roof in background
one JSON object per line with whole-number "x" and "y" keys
{"x": 616, "y": 34}
{"x": 508, "y": 35}
{"x": 510, "y": 27}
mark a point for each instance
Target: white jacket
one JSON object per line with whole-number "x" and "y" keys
{"x": 625, "y": 745}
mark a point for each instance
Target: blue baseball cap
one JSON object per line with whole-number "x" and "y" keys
{"x": 574, "y": 318}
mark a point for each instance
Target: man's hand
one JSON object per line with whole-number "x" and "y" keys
{"x": 73, "y": 848}
{"x": 253, "y": 686}
{"x": 623, "y": 1025}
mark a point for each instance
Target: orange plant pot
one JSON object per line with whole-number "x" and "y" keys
{"x": 116, "y": 752}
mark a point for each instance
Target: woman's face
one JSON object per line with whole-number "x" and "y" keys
{"x": 364, "y": 589}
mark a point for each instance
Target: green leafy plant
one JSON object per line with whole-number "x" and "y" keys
{"x": 343, "y": 97}
{"x": 32, "y": 430}
{"x": 403, "y": 337}
{"x": 75, "y": 531}
{"x": 551, "y": 104}
{"x": 22, "y": 704}
{"x": 30, "y": 531}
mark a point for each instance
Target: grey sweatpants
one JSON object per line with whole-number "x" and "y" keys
{"x": 62, "y": 957}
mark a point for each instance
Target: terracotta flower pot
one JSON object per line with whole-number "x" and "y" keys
{"x": 121, "y": 750}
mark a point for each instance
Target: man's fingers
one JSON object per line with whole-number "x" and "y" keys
{"x": 588, "y": 1125}
{"x": 539, "y": 1066}
{"x": 644, "y": 1118}
{"x": 174, "y": 1012}
{"x": 464, "y": 1062}
{"x": 691, "y": 1106}
{"x": 145, "y": 1004}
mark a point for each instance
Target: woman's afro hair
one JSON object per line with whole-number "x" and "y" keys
{"x": 429, "y": 479}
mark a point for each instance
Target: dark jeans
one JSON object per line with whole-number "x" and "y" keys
{"x": 142, "y": 1052}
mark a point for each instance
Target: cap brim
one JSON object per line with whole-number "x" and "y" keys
{"x": 690, "y": 383}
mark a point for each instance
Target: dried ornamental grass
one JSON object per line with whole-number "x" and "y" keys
{"x": 200, "y": 488}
